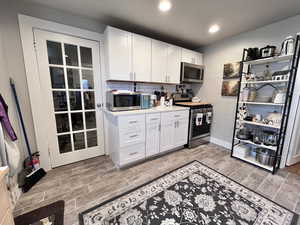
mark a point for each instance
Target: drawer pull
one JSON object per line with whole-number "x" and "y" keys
{"x": 133, "y": 153}
{"x": 132, "y": 122}
{"x": 154, "y": 119}
{"x": 177, "y": 116}
{"x": 132, "y": 136}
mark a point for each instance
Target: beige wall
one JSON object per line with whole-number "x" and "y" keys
{"x": 230, "y": 50}
{"x": 12, "y": 64}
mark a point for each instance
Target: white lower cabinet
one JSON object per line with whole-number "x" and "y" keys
{"x": 174, "y": 130}
{"x": 167, "y": 132}
{"x": 135, "y": 137}
{"x": 181, "y": 130}
{"x": 152, "y": 134}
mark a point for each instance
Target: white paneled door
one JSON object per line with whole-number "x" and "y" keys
{"x": 69, "y": 70}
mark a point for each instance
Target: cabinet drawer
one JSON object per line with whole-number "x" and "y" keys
{"x": 130, "y": 138}
{"x": 153, "y": 118}
{"x": 4, "y": 199}
{"x": 180, "y": 114}
{"x": 132, "y": 123}
{"x": 132, "y": 153}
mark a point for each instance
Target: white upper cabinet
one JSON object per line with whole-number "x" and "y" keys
{"x": 133, "y": 57}
{"x": 173, "y": 66}
{"x": 141, "y": 58}
{"x": 118, "y": 44}
{"x": 190, "y": 56}
{"x": 159, "y": 61}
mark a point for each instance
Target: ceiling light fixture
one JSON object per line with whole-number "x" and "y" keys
{"x": 164, "y": 5}
{"x": 214, "y": 28}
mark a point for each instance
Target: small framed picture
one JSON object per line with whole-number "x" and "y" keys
{"x": 230, "y": 87}
{"x": 232, "y": 70}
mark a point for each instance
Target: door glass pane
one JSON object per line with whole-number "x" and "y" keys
{"x": 71, "y": 55}
{"x": 89, "y": 100}
{"x": 87, "y": 79}
{"x": 90, "y": 120}
{"x": 62, "y": 123}
{"x": 54, "y": 53}
{"x": 86, "y": 57}
{"x": 57, "y": 77}
{"x": 79, "y": 141}
{"x": 73, "y": 78}
{"x": 60, "y": 101}
{"x": 75, "y": 100}
{"x": 92, "y": 138}
{"x": 77, "y": 121}
{"x": 64, "y": 143}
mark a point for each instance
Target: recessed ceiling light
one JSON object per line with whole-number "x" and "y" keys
{"x": 214, "y": 28}
{"x": 164, "y": 5}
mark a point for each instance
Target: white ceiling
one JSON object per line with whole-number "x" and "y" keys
{"x": 187, "y": 23}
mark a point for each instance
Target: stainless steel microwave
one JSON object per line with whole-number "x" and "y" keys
{"x": 123, "y": 100}
{"x": 191, "y": 73}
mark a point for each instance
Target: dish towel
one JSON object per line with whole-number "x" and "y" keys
{"x": 5, "y": 120}
{"x": 208, "y": 117}
{"x": 199, "y": 119}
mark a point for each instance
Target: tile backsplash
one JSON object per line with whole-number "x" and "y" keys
{"x": 142, "y": 87}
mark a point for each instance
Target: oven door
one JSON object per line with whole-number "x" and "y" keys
{"x": 191, "y": 73}
{"x": 126, "y": 102}
{"x": 199, "y": 125}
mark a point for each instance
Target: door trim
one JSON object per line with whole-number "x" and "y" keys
{"x": 26, "y": 25}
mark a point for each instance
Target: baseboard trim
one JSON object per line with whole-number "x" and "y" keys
{"x": 220, "y": 142}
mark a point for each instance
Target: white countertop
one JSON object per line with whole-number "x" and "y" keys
{"x": 152, "y": 110}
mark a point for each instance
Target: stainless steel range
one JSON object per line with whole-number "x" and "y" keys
{"x": 201, "y": 115}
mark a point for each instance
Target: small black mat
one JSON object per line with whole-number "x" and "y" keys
{"x": 50, "y": 214}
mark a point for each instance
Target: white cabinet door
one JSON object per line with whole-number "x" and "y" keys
{"x": 187, "y": 56}
{"x": 173, "y": 66}
{"x": 190, "y": 56}
{"x": 199, "y": 58}
{"x": 141, "y": 58}
{"x": 118, "y": 54}
{"x": 159, "y": 61}
{"x": 181, "y": 131}
{"x": 152, "y": 134}
{"x": 167, "y": 132}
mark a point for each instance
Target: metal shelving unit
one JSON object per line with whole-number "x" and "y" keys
{"x": 292, "y": 61}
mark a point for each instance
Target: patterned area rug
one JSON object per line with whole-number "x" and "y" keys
{"x": 192, "y": 194}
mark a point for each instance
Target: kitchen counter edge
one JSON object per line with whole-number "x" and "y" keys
{"x": 147, "y": 111}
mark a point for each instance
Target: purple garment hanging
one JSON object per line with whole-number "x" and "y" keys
{"x": 5, "y": 120}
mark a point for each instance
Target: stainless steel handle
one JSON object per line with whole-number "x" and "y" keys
{"x": 133, "y": 153}
{"x": 175, "y": 124}
{"x": 177, "y": 116}
{"x": 132, "y": 122}
{"x": 132, "y": 136}
{"x": 154, "y": 119}
{"x": 159, "y": 127}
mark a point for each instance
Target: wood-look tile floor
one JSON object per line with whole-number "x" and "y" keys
{"x": 294, "y": 169}
{"x": 85, "y": 184}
